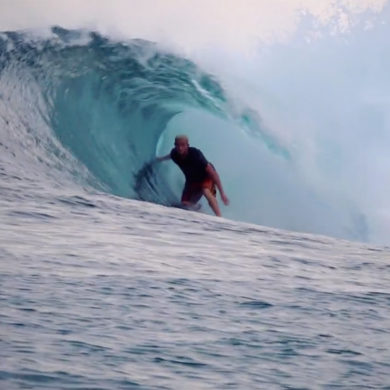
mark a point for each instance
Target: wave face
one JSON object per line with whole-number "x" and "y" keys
{"x": 78, "y": 108}
{"x": 107, "y": 103}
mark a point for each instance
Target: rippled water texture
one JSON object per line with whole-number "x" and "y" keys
{"x": 100, "y": 292}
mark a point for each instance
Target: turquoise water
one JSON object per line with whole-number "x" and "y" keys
{"x": 80, "y": 104}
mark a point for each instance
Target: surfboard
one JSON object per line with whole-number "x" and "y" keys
{"x": 195, "y": 207}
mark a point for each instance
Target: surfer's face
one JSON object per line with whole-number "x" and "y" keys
{"x": 181, "y": 147}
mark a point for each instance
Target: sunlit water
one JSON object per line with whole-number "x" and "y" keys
{"x": 99, "y": 292}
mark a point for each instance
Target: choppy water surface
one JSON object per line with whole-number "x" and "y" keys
{"x": 100, "y": 292}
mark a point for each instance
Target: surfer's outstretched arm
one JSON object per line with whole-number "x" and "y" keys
{"x": 149, "y": 164}
{"x": 163, "y": 158}
{"x": 214, "y": 175}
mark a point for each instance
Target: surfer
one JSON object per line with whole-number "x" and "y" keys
{"x": 201, "y": 176}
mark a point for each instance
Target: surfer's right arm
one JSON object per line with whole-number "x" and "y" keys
{"x": 163, "y": 158}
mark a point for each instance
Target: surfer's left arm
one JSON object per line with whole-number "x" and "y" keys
{"x": 214, "y": 175}
{"x": 149, "y": 164}
{"x": 163, "y": 158}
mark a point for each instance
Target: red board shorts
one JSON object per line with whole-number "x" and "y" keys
{"x": 192, "y": 192}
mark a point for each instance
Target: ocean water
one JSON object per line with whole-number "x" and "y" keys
{"x": 102, "y": 286}
{"x": 101, "y": 292}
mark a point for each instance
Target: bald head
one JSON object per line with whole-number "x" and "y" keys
{"x": 181, "y": 138}
{"x": 181, "y": 145}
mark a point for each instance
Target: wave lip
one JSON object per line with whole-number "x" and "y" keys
{"x": 81, "y": 109}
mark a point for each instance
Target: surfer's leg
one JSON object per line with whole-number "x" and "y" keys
{"x": 191, "y": 194}
{"x": 212, "y": 201}
{"x": 193, "y": 200}
{"x": 186, "y": 195}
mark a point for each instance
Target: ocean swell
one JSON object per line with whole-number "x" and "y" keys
{"x": 78, "y": 107}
